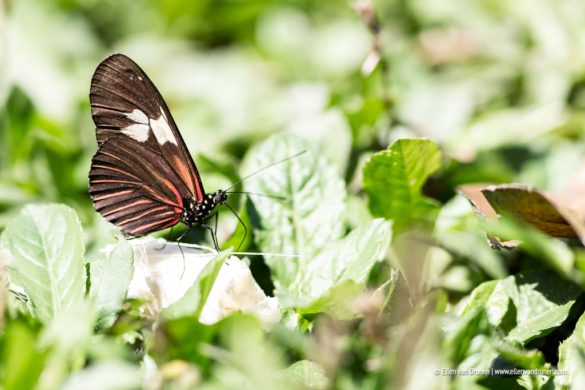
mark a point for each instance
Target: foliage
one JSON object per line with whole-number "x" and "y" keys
{"x": 430, "y": 236}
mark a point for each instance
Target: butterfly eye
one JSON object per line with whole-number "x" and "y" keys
{"x": 220, "y": 197}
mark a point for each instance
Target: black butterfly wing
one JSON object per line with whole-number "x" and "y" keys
{"x": 142, "y": 172}
{"x": 124, "y": 102}
{"x": 134, "y": 188}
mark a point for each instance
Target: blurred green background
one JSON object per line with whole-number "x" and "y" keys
{"x": 499, "y": 85}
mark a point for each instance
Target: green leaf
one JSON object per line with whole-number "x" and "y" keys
{"x": 308, "y": 374}
{"x": 542, "y": 301}
{"x": 337, "y": 301}
{"x": 483, "y": 297}
{"x": 308, "y": 219}
{"x": 339, "y": 272}
{"x": 519, "y": 357}
{"x": 468, "y": 339}
{"x": 46, "y": 243}
{"x": 191, "y": 304}
{"x": 539, "y": 302}
{"x": 110, "y": 276}
{"x": 544, "y": 322}
{"x": 393, "y": 180}
{"x": 572, "y": 358}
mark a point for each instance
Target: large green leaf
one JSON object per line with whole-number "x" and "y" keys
{"x": 195, "y": 297}
{"x": 339, "y": 272}
{"x": 310, "y": 216}
{"x": 393, "y": 180}
{"x": 110, "y": 275}
{"x": 46, "y": 243}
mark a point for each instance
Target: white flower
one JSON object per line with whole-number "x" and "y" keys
{"x": 162, "y": 275}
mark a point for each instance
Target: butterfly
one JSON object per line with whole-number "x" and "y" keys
{"x": 142, "y": 177}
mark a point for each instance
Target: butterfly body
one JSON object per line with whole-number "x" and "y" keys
{"x": 142, "y": 177}
{"x": 196, "y": 213}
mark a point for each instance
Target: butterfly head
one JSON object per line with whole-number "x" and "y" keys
{"x": 219, "y": 197}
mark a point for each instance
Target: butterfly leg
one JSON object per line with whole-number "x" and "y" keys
{"x": 181, "y": 249}
{"x": 213, "y": 236}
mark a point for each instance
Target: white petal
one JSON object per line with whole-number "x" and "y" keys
{"x": 162, "y": 275}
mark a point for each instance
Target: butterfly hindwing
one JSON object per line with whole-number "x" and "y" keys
{"x": 134, "y": 188}
{"x": 125, "y": 103}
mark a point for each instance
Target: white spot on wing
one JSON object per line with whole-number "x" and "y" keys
{"x": 137, "y": 116}
{"x": 137, "y": 131}
{"x": 162, "y": 130}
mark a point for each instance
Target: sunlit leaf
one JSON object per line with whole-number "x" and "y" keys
{"x": 538, "y": 302}
{"x": 109, "y": 276}
{"x": 338, "y": 273}
{"x": 46, "y": 243}
{"x": 393, "y": 180}
{"x": 311, "y": 214}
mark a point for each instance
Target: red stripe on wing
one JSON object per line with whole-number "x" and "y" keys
{"x": 134, "y": 188}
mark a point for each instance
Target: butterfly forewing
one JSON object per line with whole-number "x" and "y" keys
{"x": 142, "y": 173}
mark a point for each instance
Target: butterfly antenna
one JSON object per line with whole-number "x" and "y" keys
{"x": 204, "y": 248}
{"x": 257, "y": 194}
{"x": 263, "y": 254}
{"x": 265, "y": 168}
